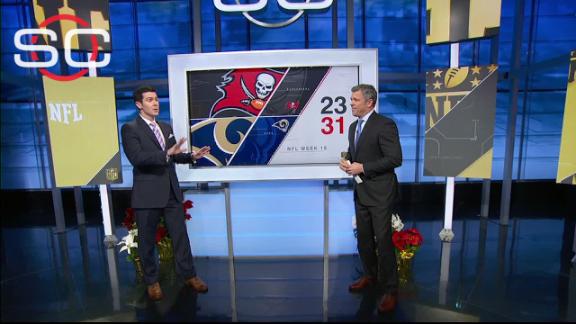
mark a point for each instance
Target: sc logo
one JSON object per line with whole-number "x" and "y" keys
{"x": 42, "y": 65}
{"x": 260, "y": 4}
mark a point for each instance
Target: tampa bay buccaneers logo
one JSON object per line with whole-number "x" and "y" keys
{"x": 245, "y": 90}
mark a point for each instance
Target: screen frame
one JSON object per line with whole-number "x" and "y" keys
{"x": 178, "y": 65}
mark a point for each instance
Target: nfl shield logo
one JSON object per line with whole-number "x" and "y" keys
{"x": 112, "y": 174}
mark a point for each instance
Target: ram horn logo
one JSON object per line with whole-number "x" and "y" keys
{"x": 282, "y": 125}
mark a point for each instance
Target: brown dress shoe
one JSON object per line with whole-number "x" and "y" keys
{"x": 387, "y": 303}
{"x": 361, "y": 283}
{"x": 155, "y": 292}
{"x": 197, "y": 283}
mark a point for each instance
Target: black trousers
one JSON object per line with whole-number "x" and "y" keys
{"x": 374, "y": 226}
{"x": 147, "y": 221}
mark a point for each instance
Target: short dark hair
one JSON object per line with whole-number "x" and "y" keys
{"x": 137, "y": 95}
{"x": 368, "y": 91}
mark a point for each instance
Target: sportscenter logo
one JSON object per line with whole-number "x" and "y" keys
{"x": 34, "y": 48}
{"x": 288, "y": 5}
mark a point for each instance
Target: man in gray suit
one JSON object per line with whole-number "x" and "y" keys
{"x": 152, "y": 150}
{"x": 373, "y": 152}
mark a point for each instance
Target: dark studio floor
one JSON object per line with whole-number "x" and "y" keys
{"x": 517, "y": 273}
{"x": 489, "y": 272}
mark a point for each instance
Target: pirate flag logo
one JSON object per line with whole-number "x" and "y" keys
{"x": 245, "y": 91}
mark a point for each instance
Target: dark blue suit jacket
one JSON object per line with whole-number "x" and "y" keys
{"x": 154, "y": 177}
{"x": 379, "y": 151}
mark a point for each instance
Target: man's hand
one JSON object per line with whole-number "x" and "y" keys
{"x": 355, "y": 169}
{"x": 344, "y": 165}
{"x": 196, "y": 155}
{"x": 176, "y": 148}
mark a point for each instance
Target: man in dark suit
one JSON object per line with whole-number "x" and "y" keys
{"x": 374, "y": 151}
{"x": 152, "y": 150}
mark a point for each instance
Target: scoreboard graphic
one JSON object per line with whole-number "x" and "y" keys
{"x": 267, "y": 115}
{"x": 258, "y": 116}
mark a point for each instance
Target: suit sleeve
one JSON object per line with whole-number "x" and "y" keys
{"x": 133, "y": 149}
{"x": 182, "y": 158}
{"x": 391, "y": 152}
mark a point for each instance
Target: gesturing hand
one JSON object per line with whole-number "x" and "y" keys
{"x": 196, "y": 155}
{"x": 176, "y": 148}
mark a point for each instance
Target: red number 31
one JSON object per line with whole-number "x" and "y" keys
{"x": 329, "y": 125}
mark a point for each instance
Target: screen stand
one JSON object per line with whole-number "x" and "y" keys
{"x": 226, "y": 186}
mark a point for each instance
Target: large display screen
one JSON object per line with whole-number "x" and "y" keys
{"x": 266, "y": 114}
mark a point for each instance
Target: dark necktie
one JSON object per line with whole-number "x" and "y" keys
{"x": 358, "y": 132}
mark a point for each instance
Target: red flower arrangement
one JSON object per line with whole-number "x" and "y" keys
{"x": 161, "y": 233}
{"x": 187, "y": 205}
{"x": 407, "y": 242}
{"x": 129, "y": 221}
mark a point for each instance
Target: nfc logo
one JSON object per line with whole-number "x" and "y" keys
{"x": 53, "y": 52}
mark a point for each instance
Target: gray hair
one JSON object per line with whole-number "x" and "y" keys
{"x": 368, "y": 91}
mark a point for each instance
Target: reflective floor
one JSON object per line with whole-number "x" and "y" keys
{"x": 521, "y": 272}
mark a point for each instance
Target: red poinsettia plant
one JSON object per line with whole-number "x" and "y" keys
{"x": 130, "y": 241}
{"x": 162, "y": 232}
{"x": 407, "y": 241}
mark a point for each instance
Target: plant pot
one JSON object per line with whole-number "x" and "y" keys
{"x": 404, "y": 270}
{"x": 165, "y": 250}
{"x": 139, "y": 268}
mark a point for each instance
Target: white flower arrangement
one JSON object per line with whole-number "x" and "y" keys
{"x": 129, "y": 241}
{"x": 397, "y": 224}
